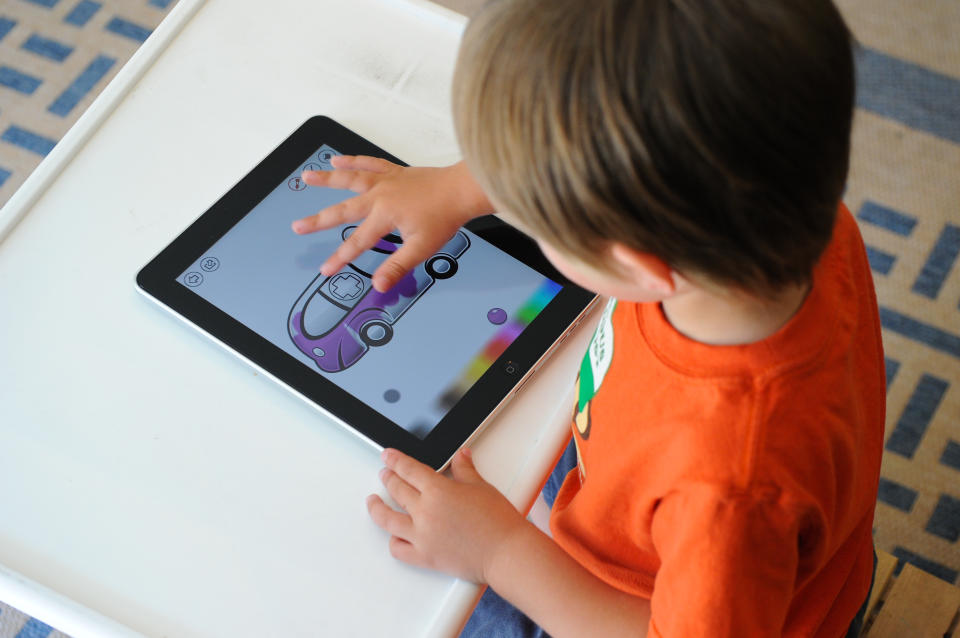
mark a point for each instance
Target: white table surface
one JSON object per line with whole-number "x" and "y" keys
{"x": 152, "y": 483}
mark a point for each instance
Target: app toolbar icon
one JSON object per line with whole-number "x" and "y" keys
{"x": 326, "y": 155}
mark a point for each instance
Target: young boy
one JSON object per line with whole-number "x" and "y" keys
{"x": 686, "y": 159}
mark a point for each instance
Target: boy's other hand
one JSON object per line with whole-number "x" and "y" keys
{"x": 425, "y": 205}
{"x": 454, "y": 525}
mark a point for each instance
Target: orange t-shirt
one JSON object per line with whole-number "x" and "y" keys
{"x": 734, "y": 486}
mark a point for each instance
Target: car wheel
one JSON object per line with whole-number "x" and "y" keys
{"x": 441, "y": 267}
{"x": 376, "y": 333}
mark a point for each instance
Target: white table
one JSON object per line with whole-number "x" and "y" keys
{"x": 153, "y": 484}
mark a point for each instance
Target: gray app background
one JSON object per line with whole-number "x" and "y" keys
{"x": 260, "y": 268}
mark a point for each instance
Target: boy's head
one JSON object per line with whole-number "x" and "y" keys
{"x": 711, "y": 134}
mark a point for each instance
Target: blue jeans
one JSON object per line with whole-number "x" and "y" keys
{"x": 494, "y": 617}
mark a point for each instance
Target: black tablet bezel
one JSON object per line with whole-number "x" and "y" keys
{"x": 158, "y": 279}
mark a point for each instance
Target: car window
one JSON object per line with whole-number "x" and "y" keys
{"x": 320, "y": 316}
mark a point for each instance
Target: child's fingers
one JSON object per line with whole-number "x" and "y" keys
{"x": 388, "y": 519}
{"x": 405, "y": 259}
{"x": 404, "y": 551}
{"x": 463, "y": 469}
{"x": 409, "y": 469}
{"x": 356, "y": 181}
{"x": 401, "y": 491}
{"x": 363, "y": 237}
{"x": 346, "y": 211}
{"x": 362, "y": 163}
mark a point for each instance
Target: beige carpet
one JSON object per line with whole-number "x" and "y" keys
{"x": 904, "y": 187}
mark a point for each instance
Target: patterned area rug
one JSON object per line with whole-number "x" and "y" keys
{"x": 55, "y": 58}
{"x": 904, "y": 188}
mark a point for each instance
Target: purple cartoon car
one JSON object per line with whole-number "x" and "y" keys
{"x": 338, "y": 318}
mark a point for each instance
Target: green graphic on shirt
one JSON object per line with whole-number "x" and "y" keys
{"x": 586, "y": 389}
{"x": 593, "y": 368}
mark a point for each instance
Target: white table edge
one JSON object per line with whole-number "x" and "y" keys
{"x": 16, "y": 590}
{"x": 103, "y": 106}
{"x": 57, "y": 610}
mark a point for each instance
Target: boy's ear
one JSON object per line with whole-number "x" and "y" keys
{"x": 648, "y": 270}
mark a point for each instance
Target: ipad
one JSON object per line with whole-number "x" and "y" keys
{"x": 421, "y": 367}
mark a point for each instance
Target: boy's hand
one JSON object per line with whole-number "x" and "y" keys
{"x": 425, "y": 205}
{"x": 454, "y": 525}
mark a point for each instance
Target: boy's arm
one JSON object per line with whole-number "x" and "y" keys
{"x": 426, "y": 206}
{"x": 559, "y": 594}
{"x": 464, "y": 526}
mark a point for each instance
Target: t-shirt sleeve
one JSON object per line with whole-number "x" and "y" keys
{"x": 728, "y": 565}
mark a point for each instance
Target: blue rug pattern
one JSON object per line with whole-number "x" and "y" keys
{"x": 55, "y": 58}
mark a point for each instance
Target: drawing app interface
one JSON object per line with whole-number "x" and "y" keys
{"x": 411, "y": 352}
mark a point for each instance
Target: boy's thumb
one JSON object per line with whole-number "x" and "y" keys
{"x": 462, "y": 466}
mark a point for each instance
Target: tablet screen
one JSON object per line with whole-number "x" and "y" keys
{"x": 409, "y": 353}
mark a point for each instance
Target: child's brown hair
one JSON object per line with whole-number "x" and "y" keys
{"x": 713, "y": 134}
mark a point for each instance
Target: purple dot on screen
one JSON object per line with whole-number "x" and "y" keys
{"x": 391, "y": 396}
{"x": 497, "y": 316}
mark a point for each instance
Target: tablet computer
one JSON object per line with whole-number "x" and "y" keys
{"x": 420, "y": 368}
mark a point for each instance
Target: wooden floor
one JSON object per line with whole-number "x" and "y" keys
{"x": 913, "y": 604}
